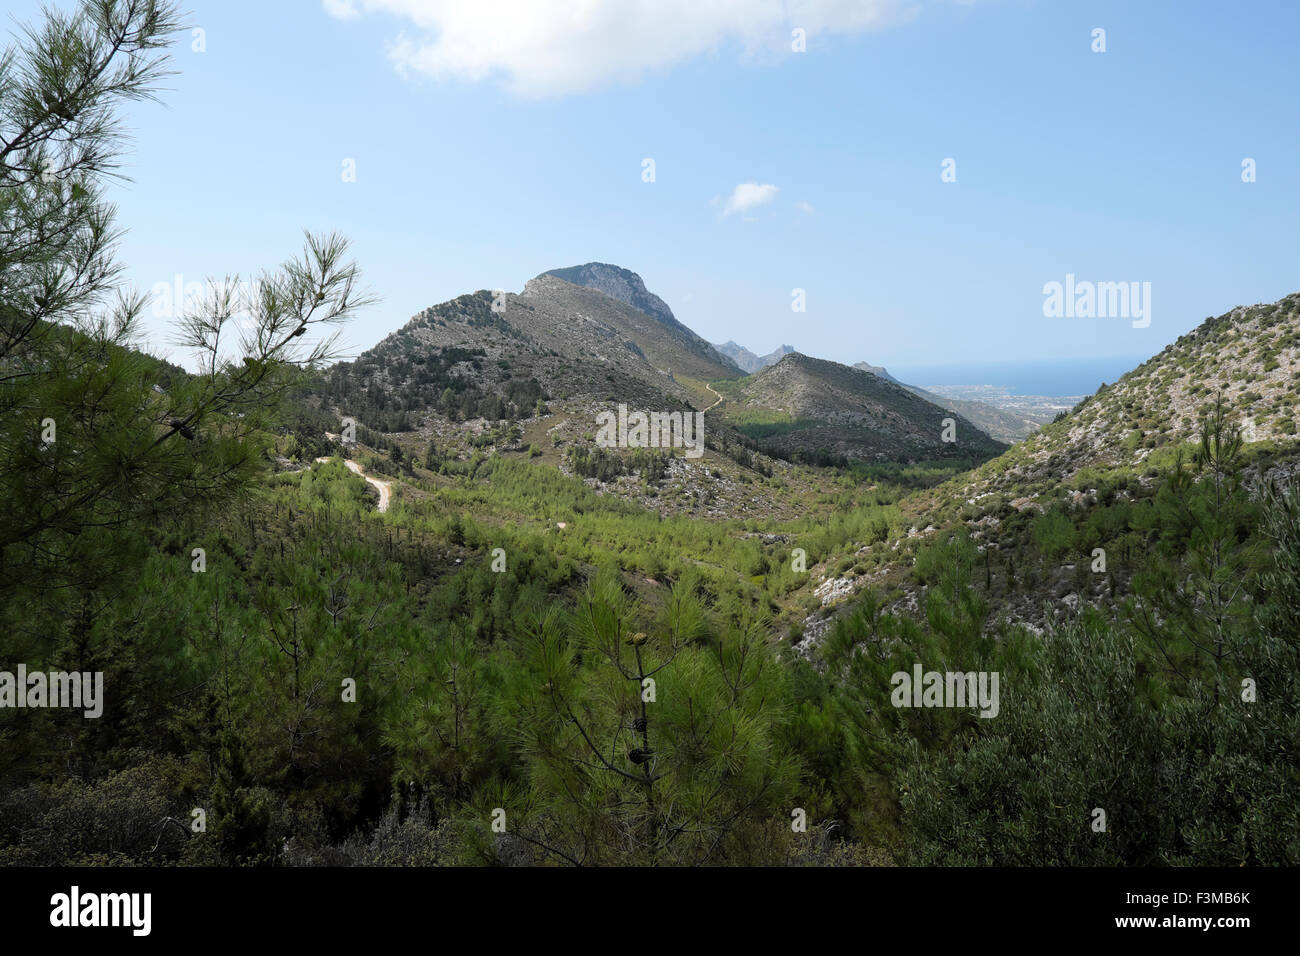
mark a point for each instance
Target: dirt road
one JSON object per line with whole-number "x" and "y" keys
{"x": 385, "y": 488}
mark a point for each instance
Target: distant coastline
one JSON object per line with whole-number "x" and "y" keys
{"x": 1052, "y": 377}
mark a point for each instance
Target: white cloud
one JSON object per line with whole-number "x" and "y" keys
{"x": 747, "y": 196}
{"x": 555, "y": 47}
{"x": 341, "y": 9}
{"x": 804, "y": 206}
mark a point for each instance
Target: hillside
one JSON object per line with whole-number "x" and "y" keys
{"x": 534, "y": 370}
{"x": 1094, "y": 478}
{"x": 808, "y": 406}
{"x": 1248, "y": 356}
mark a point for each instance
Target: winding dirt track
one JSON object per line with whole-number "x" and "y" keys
{"x": 385, "y": 488}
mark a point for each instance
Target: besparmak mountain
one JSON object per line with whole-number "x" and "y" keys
{"x": 480, "y": 356}
{"x": 628, "y": 287}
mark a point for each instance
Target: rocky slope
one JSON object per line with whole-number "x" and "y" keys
{"x": 1250, "y": 356}
{"x": 627, "y": 287}
{"x": 484, "y": 356}
{"x": 1085, "y": 472}
{"x": 879, "y": 370}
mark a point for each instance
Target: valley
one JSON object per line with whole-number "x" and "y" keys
{"x": 801, "y": 441}
{"x": 825, "y": 535}
{"x": 321, "y": 568}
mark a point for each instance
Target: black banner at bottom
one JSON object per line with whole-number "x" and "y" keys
{"x": 333, "y": 906}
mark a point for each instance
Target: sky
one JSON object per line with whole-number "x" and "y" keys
{"x": 492, "y": 140}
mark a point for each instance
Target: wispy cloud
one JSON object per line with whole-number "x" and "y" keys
{"x": 341, "y": 9}
{"x": 747, "y": 196}
{"x": 554, "y": 47}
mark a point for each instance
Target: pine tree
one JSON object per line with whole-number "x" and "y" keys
{"x": 653, "y": 746}
{"x": 96, "y": 438}
{"x": 1191, "y": 595}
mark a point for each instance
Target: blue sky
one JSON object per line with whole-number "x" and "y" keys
{"x": 487, "y": 153}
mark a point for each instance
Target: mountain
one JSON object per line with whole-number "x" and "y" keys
{"x": 662, "y": 342}
{"x": 568, "y": 346}
{"x": 820, "y": 409}
{"x": 1090, "y": 479}
{"x": 747, "y": 360}
{"x": 879, "y": 370}
{"x": 554, "y": 341}
{"x": 628, "y": 287}
{"x": 617, "y": 283}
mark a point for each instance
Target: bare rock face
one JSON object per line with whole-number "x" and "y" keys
{"x": 878, "y": 370}
{"x": 627, "y": 287}
{"x": 617, "y": 283}
{"x": 834, "y": 589}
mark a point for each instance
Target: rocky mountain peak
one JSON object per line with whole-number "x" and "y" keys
{"x": 617, "y": 283}
{"x": 747, "y": 360}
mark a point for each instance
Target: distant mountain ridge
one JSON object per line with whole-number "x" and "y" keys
{"x": 594, "y": 334}
{"x": 881, "y": 371}
{"x": 747, "y": 360}
{"x": 998, "y": 423}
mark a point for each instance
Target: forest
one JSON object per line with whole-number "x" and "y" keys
{"x": 510, "y": 667}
